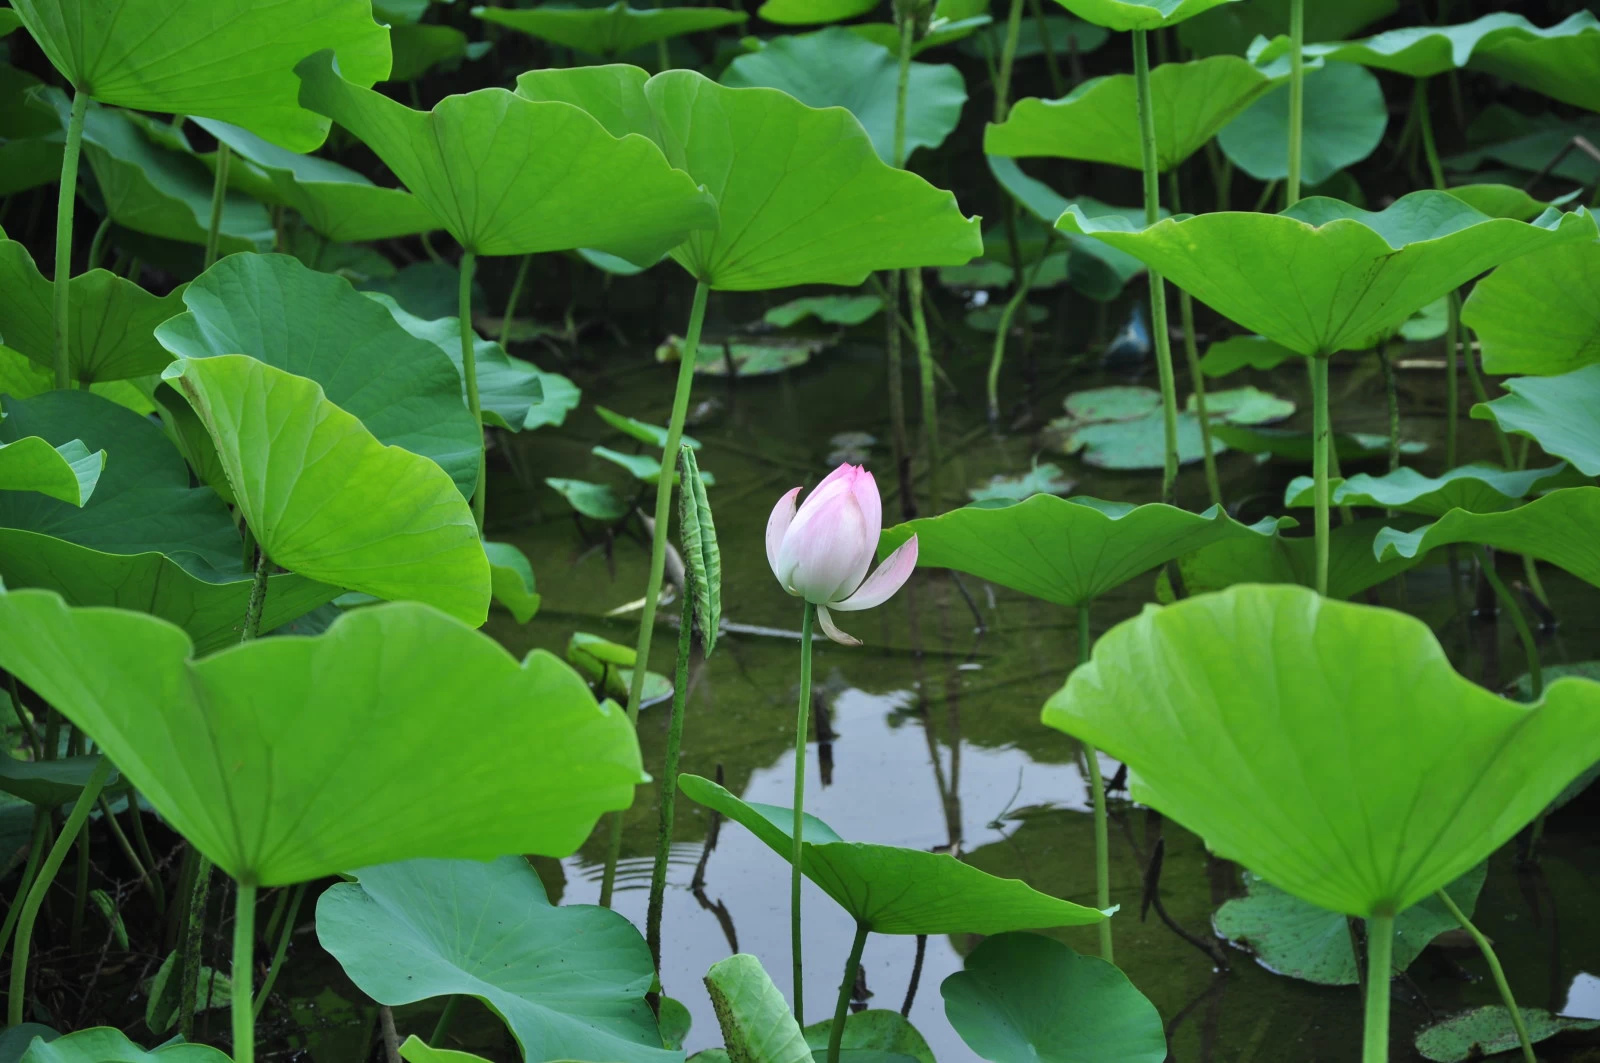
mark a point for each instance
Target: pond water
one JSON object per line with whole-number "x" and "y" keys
{"x": 933, "y": 737}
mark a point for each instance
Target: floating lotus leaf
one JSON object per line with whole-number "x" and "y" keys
{"x": 508, "y": 176}
{"x": 1352, "y": 567}
{"x": 941, "y": 31}
{"x": 1099, "y": 122}
{"x": 67, "y": 472}
{"x": 1560, "y": 413}
{"x": 283, "y": 760}
{"x": 1263, "y": 719}
{"x": 1558, "y": 528}
{"x": 802, "y": 195}
{"x": 1246, "y": 406}
{"x": 326, "y": 499}
{"x": 568, "y": 981}
{"x": 1477, "y": 488}
{"x": 595, "y": 501}
{"x": 831, "y": 309}
{"x": 1288, "y": 444}
{"x": 108, "y": 336}
{"x": 227, "y": 59}
{"x": 1488, "y": 1031}
{"x": 1345, "y": 118}
{"x": 1138, "y": 14}
{"x": 416, "y": 1050}
{"x": 1065, "y": 550}
{"x": 609, "y": 31}
{"x": 1539, "y": 314}
{"x": 893, "y": 890}
{"x": 1324, "y": 276}
{"x": 837, "y": 68}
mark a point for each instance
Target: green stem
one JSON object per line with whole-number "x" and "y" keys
{"x": 1058, "y": 85}
{"x": 1191, "y": 354}
{"x": 97, "y": 246}
{"x": 285, "y": 932}
{"x": 146, "y": 853}
{"x": 997, "y": 356}
{"x": 1494, "y": 969}
{"x": 903, "y": 83}
{"x": 1518, "y": 621}
{"x": 1008, "y": 56}
{"x": 469, "y": 372}
{"x": 930, "y": 396}
{"x": 244, "y": 941}
{"x": 36, "y": 849}
{"x": 80, "y": 894}
{"x": 1479, "y": 392}
{"x": 1391, "y": 392}
{"x": 841, "y": 1010}
{"x": 669, "y": 782}
{"x": 151, "y": 883}
{"x": 446, "y": 1017}
{"x": 65, "y": 197}
{"x": 193, "y": 935}
{"x": 1097, "y": 791}
{"x": 219, "y": 194}
{"x": 41, "y": 885}
{"x": 1419, "y": 103}
{"x": 1321, "y": 444}
{"x": 514, "y": 298}
{"x": 1297, "y": 98}
{"x": 1380, "y": 945}
{"x": 658, "y": 550}
{"x": 258, "y": 598}
{"x": 802, "y": 732}
{"x": 1158, "y": 285}
{"x": 898, "y": 444}
{"x": 1452, "y": 378}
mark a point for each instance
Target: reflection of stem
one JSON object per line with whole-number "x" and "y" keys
{"x": 1158, "y": 285}
{"x": 219, "y": 193}
{"x": 244, "y": 941}
{"x": 1191, "y": 353}
{"x": 669, "y": 782}
{"x": 658, "y": 550}
{"x": 469, "y": 373}
{"x": 1494, "y": 969}
{"x": 802, "y": 730}
{"x": 1097, "y": 789}
{"x": 65, "y": 200}
{"x": 846, "y": 989}
{"x": 1321, "y": 444}
{"x": 1297, "y": 97}
{"x": 514, "y": 298}
{"x": 1518, "y": 621}
{"x": 1380, "y": 943}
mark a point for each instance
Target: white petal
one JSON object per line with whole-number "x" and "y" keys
{"x": 842, "y": 638}
{"x": 890, "y": 577}
{"x": 778, "y": 523}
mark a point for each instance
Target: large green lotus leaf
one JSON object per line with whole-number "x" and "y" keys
{"x": 837, "y": 68}
{"x": 1296, "y": 938}
{"x": 290, "y": 758}
{"x": 1344, "y": 123}
{"x": 1026, "y": 998}
{"x": 227, "y": 59}
{"x": 802, "y": 195}
{"x": 1324, "y": 276}
{"x": 1263, "y": 718}
{"x": 336, "y": 201}
{"x": 106, "y": 1044}
{"x": 1352, "y": 567}
{"x": 568, "y": 981}
{"x": 1560, "y": 413}
{"x": 894, "y": 890}
{"x": 609, "y": 31}
{"x": 1065, "y": 550}
{"x": 67, "y": 472}
{"x": 1558, "y": 528}
{"x": 403, "y": 389}
{"x": 755, "y": 1019}
{"x": 1232, "y": 28}
{"x": 51, "y": 783}
{"x": 1539, "y": 314}
{"x": 813, "y": 12}
{"x": 1479, "y": 488}
{"x": 509, "y": 176}
{"x": 1099, "y": 122}
{"x": 109, "y": 331}
{"x": 1097, "y": 269}
{"x": 325, "y": 498}
{"x": 1138, "y": 14}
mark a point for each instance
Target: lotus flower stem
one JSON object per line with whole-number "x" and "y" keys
{"x": 1297, "y": 98}
{"x": 841, "y": 1010}
{"x": 1321, "y": 448}
{"x": 1495, "y": 970}
{"x": 219, "y": 194}
{"x": 658, "y": 550}
{"x": 669, "y": 782}
{"x": 41, "y": 885}
{"x": 285, "y": 932}
{"x": 66, "y": 196}
{"x": 469, "y": 373}
{"x": 1159, "y": 329}
{"x": 514, "y": 298}
{"x": 1097, "y": 793}
{"x": 244, "y": 940}
{"x": 1191, "y": 354}
{"x": 1518, "y": 621}
{"x": 802, "y": 732}
{"x": 1375, "y": 1030}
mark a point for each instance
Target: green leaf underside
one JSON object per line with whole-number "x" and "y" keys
{"x": 802, "y": 196}
{"x": 507, "y": 175}
{"x": 831, "y": 309}
{"x": 325, "y": 499}
{"x": 1478, "y": 488}
{"x": 223, "y": 746}
{"x": 569, "y": 981}
{"x": 1352, "y": 567}
{"x": 1046, "y": 204}
{"x": 756, "y": 1022}
{"x": 67, "y": 472}
{"x": 1560, "y": 413}
{"x": 611, "y": 30}
{"x": 511, "y": 579}
{"x": 1488, "y": 1031}
{"x": 1138, "y": 14}
{"x": 1558, "y": 528}
{"x": 813, "y": 12}
{"x": 1066, "y": 551}
{"x": 1539, "y": 314}
{"x": 1345, "y": 118}
{"x": 1325, "y": 276}
{"x": 106, "y": 1044}
{"x": 1098, "y": 121}
{"x": 893, "y": 890}
{"x": 1288, "y": 760}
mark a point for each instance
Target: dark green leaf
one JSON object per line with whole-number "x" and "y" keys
{"x": 609, "y": 31}
{"x": 1345, "y": 120}
{"x": 1488, "y": 1031}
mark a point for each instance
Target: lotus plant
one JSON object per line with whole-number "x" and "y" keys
{"x": 820, "y": 550}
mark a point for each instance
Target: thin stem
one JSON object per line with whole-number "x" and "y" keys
{"x": 152, "y": 883}
{"x": 469, "y": 373}
{"x": 1419, "y": 105}
{"x": 1518, "y": 621}
{"x": 80, "y": 894}
{"x": 669, "y": 782}
{"x": 1321, "y": 444}
{"x": 36, "y": 849}
{"x": 1391, "y": 391}
{"x": 1297, "y": 97}
{"x": 1494, "y": 969}
{"x": 285, "y": 932}
{"x": 930, "y": 397}
{"x": 1380, "y": 944}
{"x": 41, "y": 885}
{"x": 1008, "y": 55}
{"x": 97, "y": 246}
{"x": 898, "y": 444}
{"x": 65, "y": 197}
{"x": 446, "y": 1017}
{"x": 1097, "y": 792}
{"x": 997, "y": 356}
{"x": 219, "y": 194}
{"x": 802, "y": 732}
{"x": 244, "y": 941}
{"x": 1058, "y": 86}
{"x": 841, "y": 1010}
{"x": 514, "y": 298}
{"x": 193, "y": 936}
{"x": 1479, "y": 392}
{"x": 1191, "y": 354}
{"x": 903, "y": 83}
{"x": 658, "y": 550}
{"x": 1452, "y": 377}
{"x": 1158, "y": 285}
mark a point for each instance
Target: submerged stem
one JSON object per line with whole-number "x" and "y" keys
{"x": 669, "y": 782}
{"x": 469, "y": 373}
{"x": 1495, "y": 970}
{"x": 1321, "y": 444}
{"x": 66, "y": 196}
{"x": 1097, "y": 792}
{"x": 1159, "y": 329}
{"x": 1297, "y": 98}
{"x": 1375, "y": 1031}
{"x": 244, "y": 940}
{"x": 841, "y": 1010}
{"x": 802, "y": 732}
{"x": 219, "y": 194}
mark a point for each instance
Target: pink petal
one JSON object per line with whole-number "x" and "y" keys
{"x": 865, "y": 488}
{"x": 828, "y": 629}
{"x": 845, "y": 472}
{"x": 777, "y": 524}
{"x": 882, "y": 584}
{"x": 825, "y": 552}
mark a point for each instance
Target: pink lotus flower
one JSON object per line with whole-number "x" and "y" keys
{"x": 822, "y": 550}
